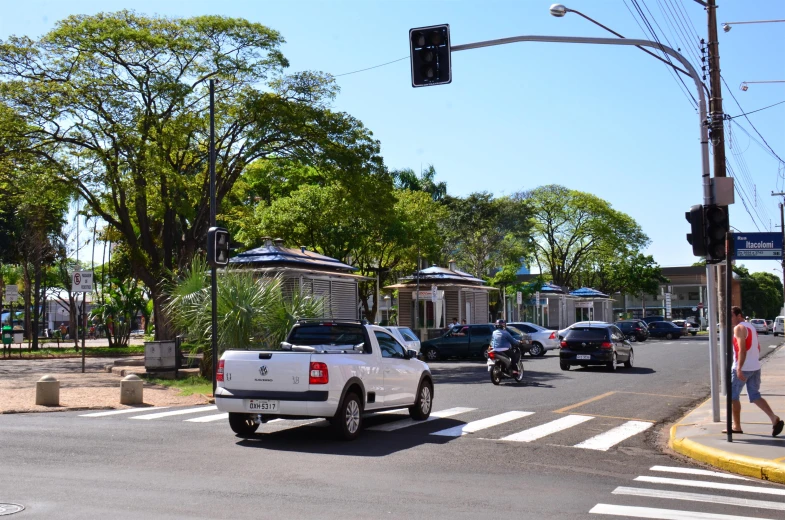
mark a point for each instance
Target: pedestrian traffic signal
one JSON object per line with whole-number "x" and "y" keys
{"x": 717, "y": 226}
{"x": 429, "y": 53}
{"x": 217, "y": 246}
{"x": 698, "y": 237}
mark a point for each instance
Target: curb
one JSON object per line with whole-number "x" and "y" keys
{"x": 764, "y": 469}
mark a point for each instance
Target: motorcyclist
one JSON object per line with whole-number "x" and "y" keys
{"x": 501, "y": 341}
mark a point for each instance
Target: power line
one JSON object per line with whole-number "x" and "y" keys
{"x": 374, "y": 67}
{"x": 742, "y": 195}
{"x": 758, "y": 110}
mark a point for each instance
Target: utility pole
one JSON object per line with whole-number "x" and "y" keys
{"x": 782, "y": 229}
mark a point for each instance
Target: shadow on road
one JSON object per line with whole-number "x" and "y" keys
{"x": 619, "y": 370}
{"x": 477, "y": 373}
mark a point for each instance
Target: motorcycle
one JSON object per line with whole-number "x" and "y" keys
{"x": 500, "y": 366}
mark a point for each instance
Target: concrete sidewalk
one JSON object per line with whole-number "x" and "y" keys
{"x": 755, "y": 453}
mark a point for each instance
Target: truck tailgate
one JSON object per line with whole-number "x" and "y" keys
{"x": 267, "y": 371}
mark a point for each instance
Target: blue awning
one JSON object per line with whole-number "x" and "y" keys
{"x": 587, "y": 292}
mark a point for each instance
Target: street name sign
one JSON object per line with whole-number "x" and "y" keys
{"x": 434, "y": 293}
{"x": 82, "y": 281}
{"x": 11, "y": 293}
{"x": 519, "y": 297}
{"x": 758, "y": 246}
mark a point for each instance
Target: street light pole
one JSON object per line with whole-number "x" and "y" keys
{"x": 213, "y": 273}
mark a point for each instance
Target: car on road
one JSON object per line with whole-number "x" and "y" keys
{"x": 467, "y": 341}
{"x": 770, "y": 325}
{"x": 635, "y": 330}
{"x": 665, "y": 329}
{"x": 137, "y": 333}
{"x": 542, "y": 339}
{"x": 406, "y": 336}
{"x": 335, "y": 370}
{"x": 562, "y": 332}
{"x": 596, "y": 344}
{"x": 779, "y": 325}
{"x": 688, "y": 326}
{"x": 650, "y": 319}
{"x": 760, "y": 326}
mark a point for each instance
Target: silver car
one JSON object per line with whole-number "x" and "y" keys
{"x": 760, "y": 326}
{"x": 406, "y": 336}
{"x": 543, "y": 339}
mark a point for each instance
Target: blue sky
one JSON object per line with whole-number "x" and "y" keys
{"x": 607, "y": 120}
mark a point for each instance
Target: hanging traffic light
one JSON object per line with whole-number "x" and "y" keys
{"x": 429, "y": 52}
{"x": 217, "y": 246}
{"x": 717, "y": 226}
{"x": 697, "y": 238}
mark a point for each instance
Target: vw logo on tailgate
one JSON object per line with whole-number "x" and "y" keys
{"x": 263, "y": 370}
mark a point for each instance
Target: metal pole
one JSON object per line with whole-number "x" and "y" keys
{"x": 417, "y": 296}
{"x": 728, "y": 335}
{"x": 213, "y": 274}
{"x": 84, "y": 326}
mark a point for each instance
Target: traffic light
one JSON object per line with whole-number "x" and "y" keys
{"x": 698, "y": 237}
{"x": 429, "y": 52}
{"x": 717, "y": 225}
{"x": 217, "y": 246}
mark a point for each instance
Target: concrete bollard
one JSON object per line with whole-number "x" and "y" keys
{"x": 47, "y": 391}
{"x": 131, "y": 390}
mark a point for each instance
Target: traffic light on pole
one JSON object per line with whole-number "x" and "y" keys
{"x": 717, "y": 225}
{"x": 217, "y": 246}
{"x": 697, "y": 237}
{"x": 429, "y": 53}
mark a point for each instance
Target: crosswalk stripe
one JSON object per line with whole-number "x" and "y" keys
{"x": 403, "y": 423}
{"x": 711, "y": 485}
{"x": 691, "y": 471}
{"x": 663, "y": 514}
{"x": 125, "y": 410}
{"x": 606, "y": 440}
{"x": 175, "y": 412}
{"x": 698, "y": 497}
{"x": 209, "y": 418}
{"x": 463, "y": 429}
{"x": 532, "y": 434}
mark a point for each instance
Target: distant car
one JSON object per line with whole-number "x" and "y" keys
{"x": 406, "y": 336}
{"x": 690, "y": 328}
{"x": 770, "y": 325}
{"x": 596, "y": 344}
{"x": 581, "y": 324}
{"x": 635, "y": 330}
{"x": 665, "y": 329}
{"x": 543, "y": 339}
{"x": 137, "y": 333}
{"x": 650, "y": 319}
{"x": 760, "y": 326}
{"x": 464, "y": 341}
{"x": 779, "y": 325}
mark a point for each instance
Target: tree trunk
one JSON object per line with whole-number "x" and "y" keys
{"x": 163, "y": 325}
{"x": 27, "y": 297}
{"x": 36, "y": 303}
{"x": 72, "y": 318}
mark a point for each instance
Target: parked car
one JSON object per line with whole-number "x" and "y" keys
{"x": 406, "y": 336}
{"x": 760, "y": 326}
{"x": 596, "y": 344}
{"x": 580, "y": 324}
{"x": 770, "y": 325}
{"x": 543, "y": 339}
{"x": 464, "y": 341}
{"x": 665, "y": 329}
{"x": 635, "y": 330}
{"x": 779, "y": 325}
{"x": 137, "y": 333}
{"x": 688, "y": 326}
{"x": 650, "y": 319}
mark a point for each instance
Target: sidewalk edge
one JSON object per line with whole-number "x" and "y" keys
{"x": 764, "y": 469}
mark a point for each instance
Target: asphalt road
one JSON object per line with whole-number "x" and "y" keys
{"x": 581, "y": 444}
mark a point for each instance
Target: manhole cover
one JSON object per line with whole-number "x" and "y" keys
{"x": 9, "y": 509}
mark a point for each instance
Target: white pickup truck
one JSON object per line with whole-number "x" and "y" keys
{"x": 337, "y": 370}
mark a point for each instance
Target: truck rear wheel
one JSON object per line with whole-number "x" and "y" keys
{"x": 422, "y": 406}
{"x": 242, "y": 424}
{"x": 349, "y": 417}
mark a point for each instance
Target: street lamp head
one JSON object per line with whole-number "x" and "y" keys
{"x": 726, "y": 27}
{"x": 558, "y": 10}
{"x": 744, "y": 86}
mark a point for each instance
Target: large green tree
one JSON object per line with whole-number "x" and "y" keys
{"x": 761, "y": 295}
{"x": 118, "y": 103}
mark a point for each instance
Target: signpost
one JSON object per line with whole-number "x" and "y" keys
{"x": 519, "y": 300}
{"x": 82, "y": 281}
{"x": 434, "y": 293}
{"x": 668, "y": 307}
{"x": 11, "y": 293}
{"x": 758, "y": 246}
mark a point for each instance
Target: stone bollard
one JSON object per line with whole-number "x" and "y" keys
{"x": 131, "y": 390}
{"x": 47, "y": 391}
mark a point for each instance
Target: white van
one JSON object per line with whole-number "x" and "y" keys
{"x": 779, "y": 325}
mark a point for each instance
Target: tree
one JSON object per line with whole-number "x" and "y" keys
{"x": 761, "y": 295}
{"x": 406, "y": 179}
{"x": 572, "y": 227}
{"x": 118, "y": 104}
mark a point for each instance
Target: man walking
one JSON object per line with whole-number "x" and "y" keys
{"x": 746, "y": 372}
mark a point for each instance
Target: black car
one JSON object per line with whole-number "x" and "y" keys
{"x": 635, "y": 330}
{"x": 463, "y": 341}
{"x": 666, "y": 329}
{"x": 595, "y": 345}
{"x": 648, "y": 320}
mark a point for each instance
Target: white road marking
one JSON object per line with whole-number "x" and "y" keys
{"x": 126, "y": 410}
{"x": 698, "y": 497}
{"x": 606, "y": 440}
{"x": 712, "y": 485}
{"x": 463, "y": 429}
{"x": 403, "y": 423}
{"x": 704, "y": 472}
{"x": 209, "y": 418}
{"x": 663, "y": 514}
{"x": 175, "y": 412}
{"x": 532, "y": 434}
{"x": 292, "y": 423}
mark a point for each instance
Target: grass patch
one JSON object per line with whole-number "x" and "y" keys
{"x": 188, "y": 386}
{"x": 47, "y": 351}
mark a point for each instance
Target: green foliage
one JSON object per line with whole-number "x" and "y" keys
{"x": 116, "y": 310}
{"x": 761, "y": 295}
{"x": 406, "y": 179}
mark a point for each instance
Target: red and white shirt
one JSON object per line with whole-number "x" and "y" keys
{"x": 752, "y": 346}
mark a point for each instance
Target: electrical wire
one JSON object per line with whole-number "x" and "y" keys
{"x": 758, "y": 110}
{"x": 742, "y": 194}
{"x": 369, "y": 68}
{"x": 746, "y": 176}
{"x": 681, "y": 32}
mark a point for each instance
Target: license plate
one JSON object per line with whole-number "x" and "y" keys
{"x": 263, "y": 405}
{"x": 582, "y": 356}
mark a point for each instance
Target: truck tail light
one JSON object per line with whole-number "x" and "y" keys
{"x": 319, "y": 374}
{"x": 219, "y": 374}
{"x": 553, "y": 335}
{"x": 606, "y": 344}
